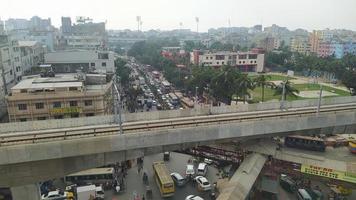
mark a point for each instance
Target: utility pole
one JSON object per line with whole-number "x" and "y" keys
{"x": 283, "y": 95}
{"x": 117, "y": 107}
{"x": 319, "y": 102}
{"x": 197, "y": 21}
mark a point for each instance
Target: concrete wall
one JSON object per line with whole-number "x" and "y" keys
{"x": 143, "y": 116}
{"x": 21, "y": 164}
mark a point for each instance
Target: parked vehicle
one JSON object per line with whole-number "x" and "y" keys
{"x": 202, "y": 169}
{"x": 166, "y": 156}
{"x": 100, "y": 194}
{"x": 302, "y": 194}
{"x": 305, "y": 142}
{"x": 86, "y": 192}
{"x": 193, "y": 197}
{"x": 163, "y": 179}
{"x": 203, "y": 183}
{"x": 190, "y": 171}
{"x": 178, "y": 179}
{"x": 287, "y": 183}
{"x": 57, "y": 195}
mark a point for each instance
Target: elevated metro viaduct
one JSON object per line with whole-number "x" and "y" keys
{"x": 22, "y": 164}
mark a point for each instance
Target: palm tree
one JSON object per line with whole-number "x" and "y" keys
{"x": 262, "y": 81}
{"x": 244, "y": 84}
{"x": 289, "y": 90}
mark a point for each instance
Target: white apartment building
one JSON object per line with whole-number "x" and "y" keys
{"x": 32, "y": 54}
{"x": 85, "y": 60}
{"x": 245, "y": 61}
{"x": 85, "y": 41}
{"x": 10, "y": 68}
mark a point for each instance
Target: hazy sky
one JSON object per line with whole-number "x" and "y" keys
{"x": 167, "y": 14}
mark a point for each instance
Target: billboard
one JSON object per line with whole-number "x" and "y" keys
{"x": 329, "y": 173}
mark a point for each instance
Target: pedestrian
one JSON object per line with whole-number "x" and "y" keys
{"x": 143, "y": 197}
{"x": 138, "y": 169}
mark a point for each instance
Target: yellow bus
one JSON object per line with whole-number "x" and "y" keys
{"x": 163, "y": 179}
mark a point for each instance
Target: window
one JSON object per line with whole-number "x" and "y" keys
{"x": 17, "y": 59}
{"x": 73, "y": 103}
{"x": 217, "y": 63}
{"x": 23, "y": 91}
{"x": 88, "y": 102}
{"x": 11, "y": 72}
{"x": 207, "y": 58}
{"x": 73, "y": 89}
{"x": 92, "y": 64}
{"x": 58, "y": 117}
{"x": 39, "y": 105}
{"x": 242, "y": 56}
{"x": 219, "y": 57}
{"x": 103, "y": 56}
{"x": 90, "y": 114}
{"x": 41, "y": 118}
{"x": 57, "y": 104}
{"x": 22, "y": 106}
{"x": 23, "y": 119}
{"x": 74, "y": 115}
{"x": 252, "y": 56}
{"x": 103, "y": 64}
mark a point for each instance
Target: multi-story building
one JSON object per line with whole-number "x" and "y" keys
{"x": 270, "y": 43}
{"x": 338, "y": 50}
{"x": 10, "y": 68}
{"x": 62, "y": 96}
{"x": 245, "y": 61}
{"x": 32, "y": 54}
{"x": 66, "y": 27}
{"x": 325, "y": 49}
{"x": 85, "y": 60}
{"x": 350, "y": 48}
{"x": 315, "y": 38}
{"x": 16, "y": 24}
{"x": 300, "y": 45}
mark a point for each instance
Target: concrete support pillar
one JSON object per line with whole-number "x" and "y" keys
{"x": 27, "y": 192}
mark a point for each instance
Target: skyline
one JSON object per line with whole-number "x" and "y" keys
{"x": 168, "y": 14}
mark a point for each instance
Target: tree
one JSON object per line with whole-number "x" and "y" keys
{"x": 289, "y": 90}
{"x": 123, "y": 71}
{"x": 244, "y": 84}
{"x": 262, "y": 80}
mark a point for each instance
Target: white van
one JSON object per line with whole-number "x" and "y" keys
{"x": 202, "y": 169}
{"x": 302, "y": 194}
{"x": 190, "y": 171}
{"x": 99, "y": 192}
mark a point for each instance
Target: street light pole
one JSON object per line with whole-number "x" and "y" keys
{"x": 319, "y": 102}
{"x": 196, "y": 94}
{"x": 117, "y": 108}
{"x": 283, "y": 95}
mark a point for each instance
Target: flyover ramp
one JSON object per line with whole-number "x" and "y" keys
{"x": 240, "y": 184}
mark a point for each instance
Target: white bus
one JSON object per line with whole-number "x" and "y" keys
{"x": 92, "y": 176}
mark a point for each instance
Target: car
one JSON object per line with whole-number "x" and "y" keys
{"x": 56, "y": 195}
{"x": 203, "y": 183}
{"x": 178, "y": 179}
{"x": 190, "y": 171}
{"x": 202, "y": 169}
{"x": 100, "y": 194}
{"x": 193, "y": 197}
{"x": 208, "y": 161}
{"x": 159, "y": 106}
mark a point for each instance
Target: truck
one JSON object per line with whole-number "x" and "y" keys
{"x": 86, "y": 192}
